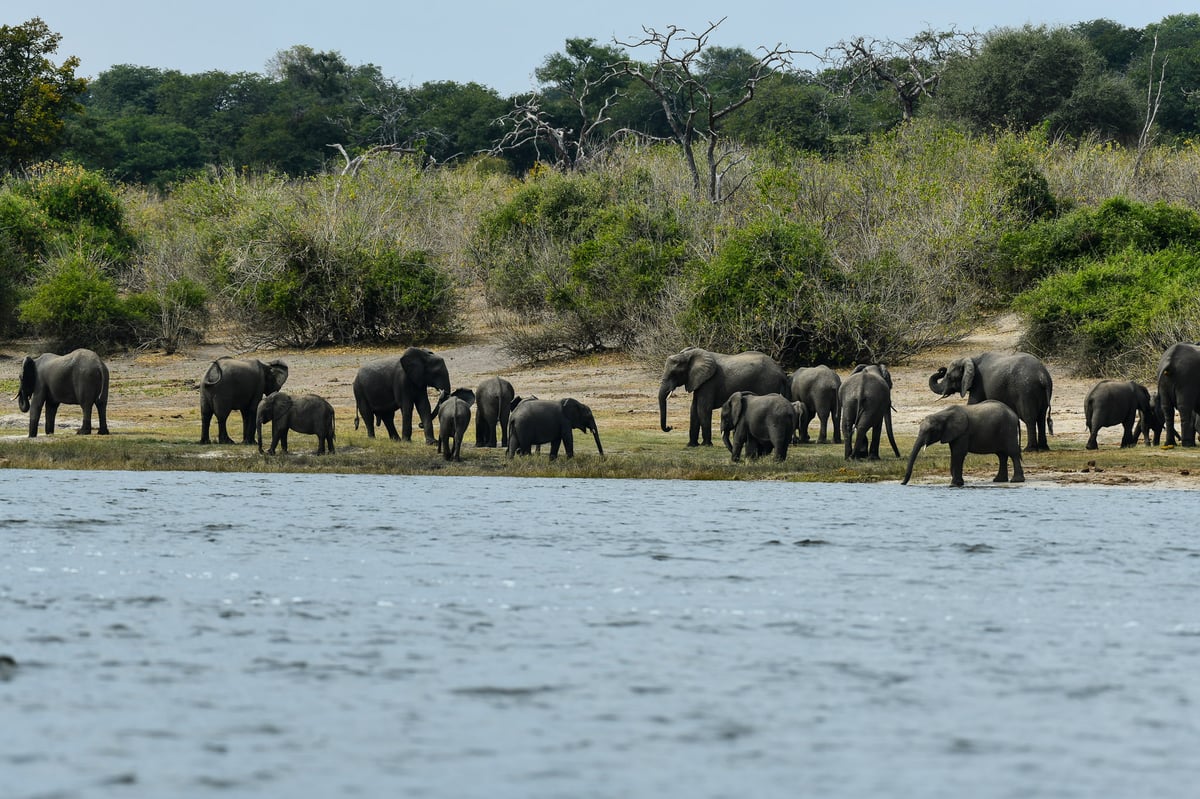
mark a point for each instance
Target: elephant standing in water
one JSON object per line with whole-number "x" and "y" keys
{"x": 537, "y": 421}
{"x": 987, "y": 428}
{"x": 1123, "y": 402}
{"x": 77, "y": 378}
{"x": 400, "y": 383}
{"x": 761, "y": 424}
{"x": 233, "y": 384}
{"x": 865, "y": 398}
{"x": 493, "y": 403}
{"x": 712, "y": 378}
{"x": 454, "y": 417}
{"x": 306, "y": 413}
{"x": 817, "y": 388}
{"x": 1019, "y": 380}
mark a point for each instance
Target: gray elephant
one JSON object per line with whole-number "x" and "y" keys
{"x": 306, "y": 413}
{"x": 865, "y": 399}
{"x": 760, "y": 424}
{"x": 234, "y": 384}
{"x": 986, "y": 428}
{"x": 1019, "y": 380}
{"x": 1123, "y": 402}
{"x": 49, "y": 380}
{"x": 712, "y": 378}
{"x": 537, "y": 421}
{"x": 400, "y": 383}
{"x": 817, "y": 388}
{"x": 1179, "y": 387}
{"x": 454, "y": 418}
{"x": 493, "y": 402}
{"x": 1153, "y": 423}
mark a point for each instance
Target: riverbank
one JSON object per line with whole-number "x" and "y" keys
{"x": 155, "y": 421}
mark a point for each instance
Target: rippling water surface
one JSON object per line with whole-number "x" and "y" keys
{"x": 181, "y": 634}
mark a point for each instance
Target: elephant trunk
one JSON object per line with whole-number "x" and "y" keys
{"x": 596, "y": 435}
{"x": 664, "y": 389}
{"x": 938, "y": 383}
{"x": 23, "y": 401}
{"x": 918, "y": 445}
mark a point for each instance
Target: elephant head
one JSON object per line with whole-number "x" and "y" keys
{"x": 273, "y": 406}
{"x": 580, "y": 417}
{"x": 731, "y": 414}
{"x": 28, "y": 384}
{"x": 464, "y": 394}
{"x": 958, "y": 377}
{"x": 424, "y": 369}
{"x": 275, "y": 374}
{"x": 878, "y": 368}
{"x": 689, "y": 368}
{"x": 937, "y": 428}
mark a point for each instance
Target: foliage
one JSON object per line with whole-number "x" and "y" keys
{"x": 75, "y": 304}
{"x": 36, "y": 96}
{"x": 83, "y": 209}
{"x": 584, "y": 253}
{"x": 1102, "y": 317}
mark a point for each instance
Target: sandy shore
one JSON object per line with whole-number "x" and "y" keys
{"x": 152, "y": 389}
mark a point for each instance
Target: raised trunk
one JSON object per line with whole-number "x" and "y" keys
{"x": 918, "y": 445}
{"x": 937, "y": 383}
{"x": 664, "y": 390}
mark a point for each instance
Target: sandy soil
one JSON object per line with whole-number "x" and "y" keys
{"x": 153, "y": 389}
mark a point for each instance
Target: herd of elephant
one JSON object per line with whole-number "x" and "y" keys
{"x": 762, "y": 409}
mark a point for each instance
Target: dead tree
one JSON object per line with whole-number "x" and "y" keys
{"x": 693, "y": 108}
{"x": 912, "y": 68}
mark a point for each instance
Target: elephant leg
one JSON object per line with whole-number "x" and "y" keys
{"x": 1031, "y": 437}
{"x": 1002, "y": 474}
{"x": 876, "y": 432}
{"x": 85, "y": 428}
{"x": 248, "y": 414}
{"x": 836, "y": 421}
{"x": 694, "y": 424}
{"x": 958, "y": 456}
{"x": 425, "y": 414}
{"x": 388, "y": 420}
{"x": 223, "y": 429}
{"x": 823, "y": 434}
{"x": 1018, "y": 475}
{"x": 102, "y": 412}
{"x": 1128, "y": 439}
{"x": 1091, "y": 442}
{"x": 51, "y": 413}
{"x": 1187, "y": 426}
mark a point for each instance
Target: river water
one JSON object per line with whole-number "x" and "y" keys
{"x": 194, "y": 634}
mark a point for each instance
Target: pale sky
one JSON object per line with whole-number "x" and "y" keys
{"x": 499, "y": 44}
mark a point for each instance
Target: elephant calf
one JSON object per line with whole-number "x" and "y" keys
{"x": 985, "y": 428}
{"x": 865, "y": 399}
{"x": 760, "y": 424}
{"x": 454, "y": 417}
{"x": 1113, "y": 402}
{"x": 537, "y": 421}
{"x": 306, "y": 413}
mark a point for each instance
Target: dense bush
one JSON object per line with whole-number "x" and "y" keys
{"x": 75, "y": 304}
{"x": 84, "y": 210}
{"x": 1103, "y": 317}
{"x": 584, "y": 257}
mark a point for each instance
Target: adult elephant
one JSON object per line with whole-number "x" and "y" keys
{"x": 817, "y": 388}
{"x": 493, "y": 402}
{"x": 1019, "y": 380}
{"x": 712, "y": 378}
{"x": 400, "y": 383}
{"x": 536, "y": 421}
{"x": 761, "y": 424}
{"x": 865, "y": 398}
{"x": 1179, "y": 387}
{"x": 235, "y": 384}
{"x": 49, "y": 380}
{"x": 306, "y": 413}
{"x": 1123, "y": 402}
{"x": 987, "y": 428}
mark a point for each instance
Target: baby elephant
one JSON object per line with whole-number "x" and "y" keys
{"x": 454, "y": 417}
{"x": 306, "y": 413}
{"x": 1113, "y": 402}
{"x": 986, "y": 428}
{"x": 538, "y": 421}
{"x": 760, "y": 424}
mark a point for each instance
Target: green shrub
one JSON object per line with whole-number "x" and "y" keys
{"x": 75, "y": 304}
{"x": 24, "y": 226}
{"x": 84, "y": 210}
{"x": 1101, "y": 316}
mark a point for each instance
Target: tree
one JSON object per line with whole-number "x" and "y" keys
{"x": 911, "y": 69}
{"x": 695, "y": 102}
{"x": 35, "y": 95}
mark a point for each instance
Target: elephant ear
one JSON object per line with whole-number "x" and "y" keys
{"x": 737, "y": 408}
{"x": 415, "y": 362}
{"x": 464, "y": 394}
{"x": 955, "y": 426}
{"x": 703, "y": 367}
{"x": 277, "y": 375}
{"x": 968, "y": 377}
{"x": 576, "y": 413}
{"x": 885, "y": 374}
{"x": 860, "y": 368}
